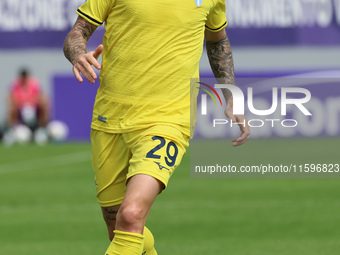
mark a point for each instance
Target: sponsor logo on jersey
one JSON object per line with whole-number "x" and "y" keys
{"x": 198, "y": 2}
{"x": 102, "y": 118}
{"x": 160, "y": 166}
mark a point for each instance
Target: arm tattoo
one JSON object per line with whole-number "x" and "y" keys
{"x": 75, "y": 42}
{"x": 109, "y": 214}
{"x": 221, "y": 62}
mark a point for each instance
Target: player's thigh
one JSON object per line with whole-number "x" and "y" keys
{"x": 110, "y": 160}
{"x": 156, "y": 151}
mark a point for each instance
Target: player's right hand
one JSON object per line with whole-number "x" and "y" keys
{"x": 83, "y": 65}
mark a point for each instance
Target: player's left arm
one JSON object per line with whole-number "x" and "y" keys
{"x": 222, "y": 64}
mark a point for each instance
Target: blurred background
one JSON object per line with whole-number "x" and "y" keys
{"x": 48, "y": 202}
{"x": 269, "y": 39}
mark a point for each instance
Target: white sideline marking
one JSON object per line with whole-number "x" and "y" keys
{"x": 32, "y": 164}
{"x": 19, "y": 209}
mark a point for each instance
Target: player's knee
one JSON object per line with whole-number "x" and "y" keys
{"x": 130, "y": 216}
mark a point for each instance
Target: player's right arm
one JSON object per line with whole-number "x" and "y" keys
{"x": 75, "y": 50}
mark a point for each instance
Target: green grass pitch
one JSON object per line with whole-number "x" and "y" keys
{"x": 48, "y": 205}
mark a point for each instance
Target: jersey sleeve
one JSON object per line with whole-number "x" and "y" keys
{"x": 95, "y": 11}
{"x": 216, "y": 19}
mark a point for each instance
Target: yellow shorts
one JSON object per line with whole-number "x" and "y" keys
{"x": 155, "y": 151}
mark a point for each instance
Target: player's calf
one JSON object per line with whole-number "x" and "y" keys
{"x": 110, "y": 216}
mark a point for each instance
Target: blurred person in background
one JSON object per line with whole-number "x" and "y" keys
{"x": 28, "y": 111}
{"x": 27, "y": 104}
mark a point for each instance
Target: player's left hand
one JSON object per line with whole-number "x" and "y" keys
{"x": 242, "y": 123}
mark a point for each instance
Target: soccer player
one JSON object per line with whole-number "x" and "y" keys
{"x": 26, "y": 102}
{"x": 141, "y": 117}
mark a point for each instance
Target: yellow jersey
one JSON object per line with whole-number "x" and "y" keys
{"x": 151, "y": 51}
